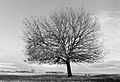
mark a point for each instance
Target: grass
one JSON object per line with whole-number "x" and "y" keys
{"x": 59, "y": 78}
{"x": 38, "y": 78}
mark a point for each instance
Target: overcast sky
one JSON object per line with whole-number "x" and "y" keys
{"x": 13, "y": 12}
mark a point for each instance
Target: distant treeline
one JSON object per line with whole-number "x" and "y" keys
{"x": 54, "y": 72}
{"x": 17, "y": 71}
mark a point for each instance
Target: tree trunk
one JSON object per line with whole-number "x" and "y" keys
{"x": 69, "y": 69}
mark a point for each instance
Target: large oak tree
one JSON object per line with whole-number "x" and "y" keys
{"x": 66, "y": 35}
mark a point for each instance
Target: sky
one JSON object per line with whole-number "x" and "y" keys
{"x": 13, "y": 13}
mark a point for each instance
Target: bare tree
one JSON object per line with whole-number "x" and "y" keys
{"x": 67, "y": 35}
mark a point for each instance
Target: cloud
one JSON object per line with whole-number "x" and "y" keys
{"x": 106, "y": 65}
{"x": 43, "y": 65}
{"x": 103, "y": 67}
{"x": 110, "y": 26}
{"x": 7, "y": 65}
{"x": 112, "y": 66}
{"x": 47, "y": 67}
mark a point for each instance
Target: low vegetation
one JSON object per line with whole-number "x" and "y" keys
{"x": 60, "y": 78}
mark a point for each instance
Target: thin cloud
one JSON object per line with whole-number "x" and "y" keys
{"x": 110, "y": 26}
{"x": 107, "y": 65}
{"x": 7, "y": 65}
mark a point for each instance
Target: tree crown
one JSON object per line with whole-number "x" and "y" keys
{"x": 67, "y": 35}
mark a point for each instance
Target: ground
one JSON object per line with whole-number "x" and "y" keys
{"x": 60, "y": 78}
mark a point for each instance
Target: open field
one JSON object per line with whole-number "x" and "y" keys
{"x": 60, "y": 78}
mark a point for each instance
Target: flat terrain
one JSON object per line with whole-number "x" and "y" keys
{"x": 60, "y": 78}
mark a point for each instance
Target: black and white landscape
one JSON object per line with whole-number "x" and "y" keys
{"x": 60, "y": 39}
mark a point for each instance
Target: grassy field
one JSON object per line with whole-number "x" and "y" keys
{"x": 59, "y": 78}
